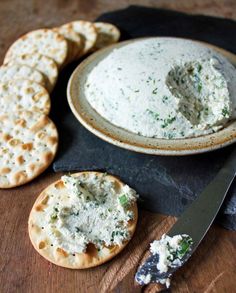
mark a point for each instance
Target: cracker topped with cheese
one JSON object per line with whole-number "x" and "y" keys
{"x": 83, "y": 220}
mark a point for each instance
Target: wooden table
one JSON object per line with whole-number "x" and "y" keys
{"x": 212, "y": 267}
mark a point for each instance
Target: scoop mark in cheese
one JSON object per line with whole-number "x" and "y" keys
{"x": 164, "y": 88}
{"x": 202, "y": 93}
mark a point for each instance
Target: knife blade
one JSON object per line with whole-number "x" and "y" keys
{"x": 195, "y": 220}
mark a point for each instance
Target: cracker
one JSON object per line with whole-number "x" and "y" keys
{"x": 42, "y": 63}
{"x": 23, "y": 94}
{"x": 18, "y": 71}
{"x": 28, "y": 144}
{"x": 107, "y": 34}
{"x": 41, "y": 240}
{"x": 44, "y": 41}
{"x": 73, "y": 39}
{"x": 86, "y": 31}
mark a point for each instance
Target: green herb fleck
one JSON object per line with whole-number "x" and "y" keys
{"x": 225, "y": 112}
{"x": 53, "y": 216}
{"x": 77, "y": 229}
{"x": 199, "y": 87}
{"x": 154, "y": 91}
{"x": 168, "y": 121}
{"x": 122, "y": 91}
{"x": 75, "y": 213}
{"x": 164, "y": 99}
{"x": 123, "y": 200}
{"x": 185, "y": 245}
{"x": 149, "y": 79}
{"x": 153, "y": 114}
{"x": 199, "y": 67}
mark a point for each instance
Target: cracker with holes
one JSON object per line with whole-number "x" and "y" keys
{"x": 86, "y": 31}
{"x": 83, "y": 220}
{"x": 43, "y": 41}
{"x": 18, "y": 71}
{"x": 107, "y": 34}
{"x": 23, "y": 94}
{"x": 28, "y": 144}
{"x": 74, "y": 41}
{"x": 42, "y": 63}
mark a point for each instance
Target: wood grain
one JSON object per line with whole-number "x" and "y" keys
{"x": 212, "y": 267}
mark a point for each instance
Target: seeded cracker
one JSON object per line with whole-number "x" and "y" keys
{"x": 28, "y": 144}
{"x": 23, "y": 94}
{"x": 18, "y": 71}
{"x": 74, "y": 41}
{"x": 86, "y": 31}
{"x": 57, "y": 193}
{"x": 44, "y": 41}
{"x": 42, "y": 63}
{"x": 107, "y": 34}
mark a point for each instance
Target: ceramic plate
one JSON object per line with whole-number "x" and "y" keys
{"x": 102, "y": 128}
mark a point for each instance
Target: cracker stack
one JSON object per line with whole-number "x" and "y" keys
{"x": 28, "y": 138}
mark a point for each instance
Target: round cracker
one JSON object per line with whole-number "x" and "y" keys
{"x": 23, "y": 94}
{"x": 18, "y": 71}
{"x": 107, "y": 34}
{"x": 57, "y": 255}
{"x": 44, "y": 41}
{"x": 28, "y": 144}
{"x": 73, "y": 39}
{"x": 42, "y": 63}
{"x": 87, "y": 31}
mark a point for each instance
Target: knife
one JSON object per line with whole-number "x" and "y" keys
{"x": 195, "y": 221}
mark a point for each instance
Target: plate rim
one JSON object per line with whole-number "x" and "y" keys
{"x": 88, "y": 120}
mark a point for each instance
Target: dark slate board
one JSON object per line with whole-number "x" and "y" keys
{"x": 166, "y": 184}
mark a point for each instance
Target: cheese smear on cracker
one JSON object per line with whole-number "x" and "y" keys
{"x": 91, "y": 211}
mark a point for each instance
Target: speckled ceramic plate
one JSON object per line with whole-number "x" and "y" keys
{"x": 125, "y": 139}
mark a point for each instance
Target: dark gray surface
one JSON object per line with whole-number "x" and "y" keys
{"x": 166, "y": 184}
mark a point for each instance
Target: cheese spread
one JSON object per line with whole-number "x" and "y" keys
{"x": 164, "y": 88}
{"x": 91, "y": 211}
{"x": 170, "y": 252}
